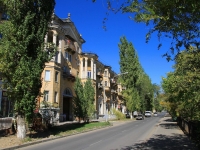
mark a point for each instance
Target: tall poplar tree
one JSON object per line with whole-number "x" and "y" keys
{"x": 23, "y": 54}
{"x": 129, "y": 63}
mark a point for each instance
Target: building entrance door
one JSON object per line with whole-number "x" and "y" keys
{"x": 67, "y": 108}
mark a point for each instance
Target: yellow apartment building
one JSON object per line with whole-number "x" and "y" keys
{"x": 59, "y": 74}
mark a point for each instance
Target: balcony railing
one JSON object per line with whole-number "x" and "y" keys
{"x": 107, "y": 88}
{"x": 112, "y": 91}
{"x": 113, "y": 81}
{"x": 123, "y": 88}
{"x": 68, "y": 76}
{"x": 100, "y": 86}
{"x": 99, "y": 74}
{"x": 69, "y": 46}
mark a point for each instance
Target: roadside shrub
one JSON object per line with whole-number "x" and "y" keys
{"x": 119, "y": 115}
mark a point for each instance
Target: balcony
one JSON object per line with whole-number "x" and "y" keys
{"x": 68, "y": 62}
{"x": 99, "y": 74}
{"x": 119, "y": 93}
{"x": 69, "y": 46}
{"x": 107, "y": 88}
{"x": 113, "y": 81}
{"x": 69, "y": 76}
{"x": 112, "y": 91}
{"x": 123, "y": 88}
{"x": 100, "y": 86}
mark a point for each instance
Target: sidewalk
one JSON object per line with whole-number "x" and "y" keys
{"x": 166, "y": 136}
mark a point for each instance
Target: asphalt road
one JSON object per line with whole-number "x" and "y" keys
{"x": 112, "y": 138}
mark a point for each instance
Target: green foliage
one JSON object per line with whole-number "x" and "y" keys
{"x": 119, "y": 115}
{"x": 157, "y": 98}
{"x": 22, "y": 53}
{"x": 89, "y": 95}
{"x": 129, "y": 63}
{"x": 182, "y": 85}
{"x": 145, "y": 88}
{"x": 138, "y": 93}
{"x": 84, "y": 101}
{"x": 78, "y": 100}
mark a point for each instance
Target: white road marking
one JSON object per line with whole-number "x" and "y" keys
{"x": 95, "y": 142}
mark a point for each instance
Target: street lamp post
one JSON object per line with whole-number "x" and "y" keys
{"x": 119, "y": 74}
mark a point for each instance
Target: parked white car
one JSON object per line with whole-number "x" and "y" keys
{"x": 155, "y": 114}
{"x": 147, "y": 113}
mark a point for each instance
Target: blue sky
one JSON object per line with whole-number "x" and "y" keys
{"x": 88, "y": 18}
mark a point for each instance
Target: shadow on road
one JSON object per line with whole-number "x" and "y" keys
{"x": 162, "y": 142}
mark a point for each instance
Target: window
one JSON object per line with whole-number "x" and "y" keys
{"x": 56, "y": 76}
{"x": 47, "y": 75}
{"x": 106, "y": 83}
{"x": 56, "y": 57}
{"x": 65, "y": 69}
{"x": 68, "y": 56}
{"x": 105, "y": 73}
{"x": 89, "y": 63}
{"x": 46, "y": 95}
{"x": 119, "y": 90}
{"x": 57, "y": 41}
{"x": 89, "y": 74}
{"x": 55, "y": 97}
{"x": 70, "y": 71}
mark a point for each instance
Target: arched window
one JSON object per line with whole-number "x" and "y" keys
{"x": 67, "y": 93}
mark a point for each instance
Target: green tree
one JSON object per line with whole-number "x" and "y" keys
{"x": 129, "y": 63}
{"x": 23, "y": 54}
{"x": 84, "y": 100}
{"x": 78, "y": 100}
{"x": 156, "y": 98}
{"x": 144, "y": 86}
{"x": 182, "y": 85}
{"x": 89, "y": 95}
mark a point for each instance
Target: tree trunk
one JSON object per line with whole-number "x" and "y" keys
{"x": 21, "y": 127}
{"x": 131, "y": 115}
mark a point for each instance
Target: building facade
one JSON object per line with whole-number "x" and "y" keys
{"x": 59, "y": 74}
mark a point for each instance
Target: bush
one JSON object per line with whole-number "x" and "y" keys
{"x": 119, "y": 115}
